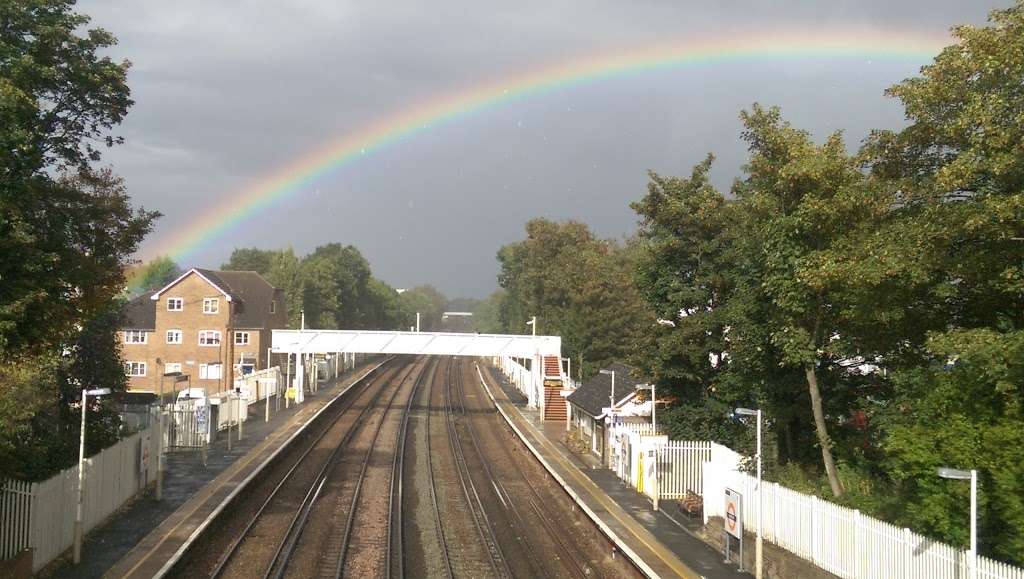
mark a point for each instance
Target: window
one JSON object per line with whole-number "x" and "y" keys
{"x": 175, "y": 304}
{"x": 134, "y": 337}
{"x": 209, "y": 338}
{"x": 273, "y": 306}
{"x": 209, "y": 371}
{"x": 137, "y": 369}
{"x": 173, "y": 336}
{"x": 171, "y": 367}
{"x": 241, "y": 338}
{"x": 210, "y": 305}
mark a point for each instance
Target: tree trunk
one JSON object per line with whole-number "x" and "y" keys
{"x": 822, "y": 430}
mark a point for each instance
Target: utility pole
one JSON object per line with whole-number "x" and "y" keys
{"x": 230, "y": 349}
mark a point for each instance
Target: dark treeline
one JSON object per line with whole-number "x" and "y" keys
{"x": 336, "y": 289}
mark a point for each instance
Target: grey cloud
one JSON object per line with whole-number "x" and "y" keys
{"x": 227, "y": 91}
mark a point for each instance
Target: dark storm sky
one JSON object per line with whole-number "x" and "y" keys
{"x": 226, "y": 91}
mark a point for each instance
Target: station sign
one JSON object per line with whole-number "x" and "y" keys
{"x": 734, "y": 513}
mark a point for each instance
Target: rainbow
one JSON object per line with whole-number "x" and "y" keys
{"x": 243, "y": 205}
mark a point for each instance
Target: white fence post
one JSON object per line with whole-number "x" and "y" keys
{"x": 814, "y": 530}
{"x": 908, "y": 553}
{"x": 775, "y": 512}
{"x": 857, "y": 546}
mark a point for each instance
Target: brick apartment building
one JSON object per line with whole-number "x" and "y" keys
{"x": 184, "y": 327}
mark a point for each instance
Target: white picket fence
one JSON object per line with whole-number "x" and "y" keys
{"x": 41, "y": 515}
{"x": 681, "y": 467}
{"x": 842, "y": 541}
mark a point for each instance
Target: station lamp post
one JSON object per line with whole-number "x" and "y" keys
{"x": 533, "y": 323}
{"x": 759, "y": 543}
{"x": 77, "y": 549}
{"x": 971, "y": 475}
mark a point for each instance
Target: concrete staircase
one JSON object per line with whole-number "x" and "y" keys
{"x": 554, "y": 403}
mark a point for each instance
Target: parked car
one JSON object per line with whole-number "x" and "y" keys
{"x": 196, "y": 394}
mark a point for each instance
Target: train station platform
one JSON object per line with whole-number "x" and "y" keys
{"x": 141, "y": 538}
{"x": 658, "y": 544}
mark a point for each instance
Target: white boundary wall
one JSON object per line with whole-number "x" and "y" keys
{"x": 42, "y": 515}
{"x": 842, "y": 541}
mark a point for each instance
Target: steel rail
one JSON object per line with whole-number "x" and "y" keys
{"x": 347, "y": 536}
{"x": 438, "y": 527}
{"x": 343, "y": 408}
{"x": 286, "y": 547}
{"x": 548, "y": 525}
{"x": 396, "y": 530}
{"x": 483, "y": 524}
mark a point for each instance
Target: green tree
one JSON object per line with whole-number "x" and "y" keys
{"x": 428, "y": 301}
{"x": 67, "y": 230}
{"x": 58, "y": 96}
{"x": 579, "y": 287}
{"x": 154, "y": 275}
{"x": 250, "y": 259}
{"x": 959, "y": 165}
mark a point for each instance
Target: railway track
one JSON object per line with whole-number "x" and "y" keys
{"x": 347, "y": 504}
{"x": 249, "y": 554}
{"x": 526, "y": 493}
{"x": 499, "y": 564}
{"x": 323, "y": 543}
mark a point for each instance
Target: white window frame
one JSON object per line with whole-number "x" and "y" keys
{"x": 130, "y": 335}
{"x": 204, "y": 371}
{"x": 167, "y": 336}
{"x": 273, "y": 306}
{"x": 211, "y": 305}
{"x": 170, "y": 367}
{"x": 179, "y": 301}
{"x": 244, "y": 335}
{"x": 135, "y": 369}
{"x": 207, "y": 335}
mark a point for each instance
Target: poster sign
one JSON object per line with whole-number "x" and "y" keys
{"x": 201, "y": 419}
{"x": 734, "y": 513}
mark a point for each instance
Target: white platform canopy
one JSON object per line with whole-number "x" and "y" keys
{"x": 426, "y": 343}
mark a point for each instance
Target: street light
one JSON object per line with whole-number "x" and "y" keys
{"x": 971, "y": 475}
{"x": 77, "y": 550}
{"x": 533, "y": 323}
{"x": 759, "y": 543}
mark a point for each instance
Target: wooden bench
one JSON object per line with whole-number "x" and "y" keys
{"x": 692, "y": 504}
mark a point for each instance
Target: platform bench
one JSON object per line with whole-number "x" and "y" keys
{"x": 692, "y": 504}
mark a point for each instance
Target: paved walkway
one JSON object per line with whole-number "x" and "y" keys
{"x": 667, "y": 549}
{"x": 119, "y": 545}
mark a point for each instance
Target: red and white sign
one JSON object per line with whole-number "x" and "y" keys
{"x": 734, "y": 513}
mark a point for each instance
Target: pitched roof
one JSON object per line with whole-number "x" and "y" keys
{"x": 249, "y": 293}
{"x": 594, "y": 394}
{"x": 140, "y": 314}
